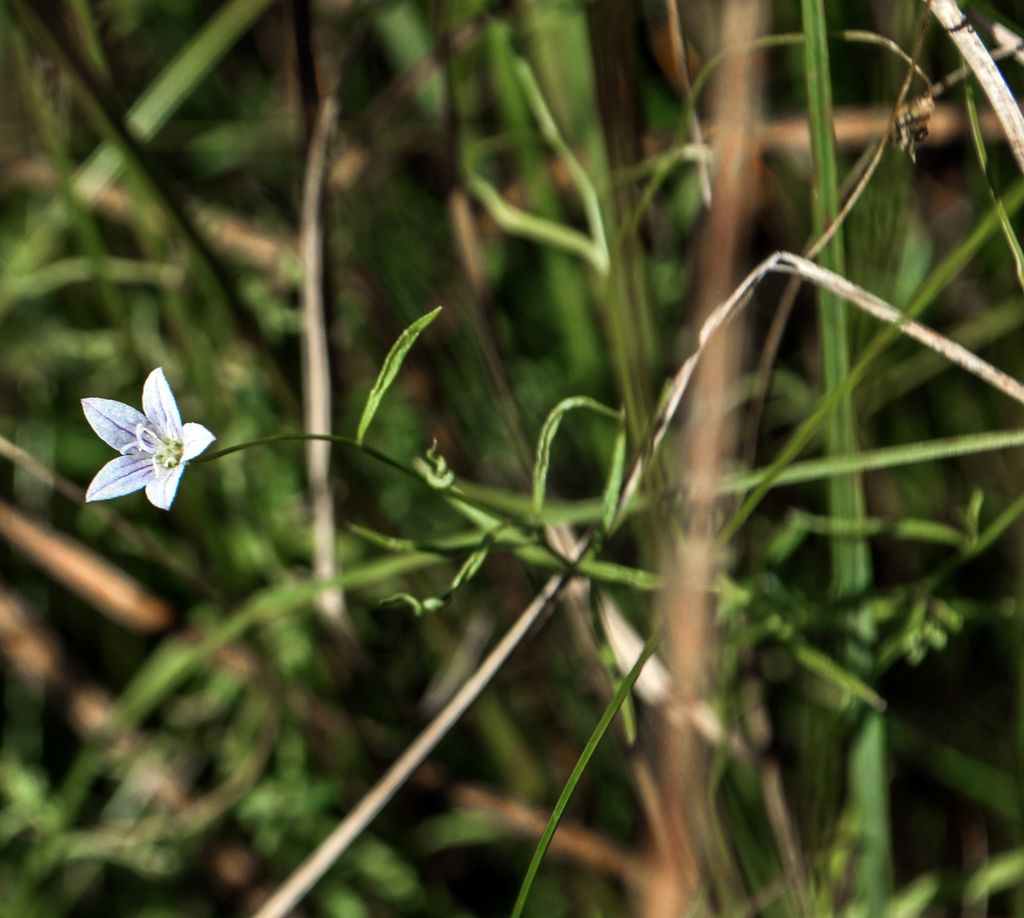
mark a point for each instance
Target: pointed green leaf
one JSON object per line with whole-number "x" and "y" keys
{"x": 388, "y": 372}
{"x": 613, "y": 488}
{"x": 823, "y": 665}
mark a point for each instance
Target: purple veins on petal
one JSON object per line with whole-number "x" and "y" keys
{"x": 161, "y": 490}
{"x": 121, "y": 476}
{"x": 155, "y": 446}
{"x": 115, "y": 423}
{"x": 159, "y": 404}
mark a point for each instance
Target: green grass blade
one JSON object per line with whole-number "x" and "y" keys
{"x": 906, "y": 528}
{"x": 932, "y": 286}
{"x": 585, "y": 187}
{"x": 968, "y": 776}
{"x": 1004, "y": 220}
{"x": 602, "y": 727}
{"x": 388, "y": 372}
{"x": 81, "y": 12}
{"x": 147, "y": 115}
{"x": 915, "y": 897}
{"x": 613, "y": 488}
{"x": 67, "y": 271}
{"x": 898, "y": 379}
{"x": 869, "y": 460}
{"x": 517, "y": 222}
{"x": 851, "y": 564}
{"x": 1002, "y": 871}
{"x": 407, "y": 41}
{"x": 191, "y": 66}
{"x": 547, "y": 436}
{"x": 952, "y": 264}
{"x": 851, "y": 561}
{"x": 823, "y": 666}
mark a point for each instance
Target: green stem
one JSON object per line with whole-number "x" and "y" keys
{"x": 851, "y": 561}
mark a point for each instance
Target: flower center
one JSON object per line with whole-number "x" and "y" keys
{"x": 168, "y": 454}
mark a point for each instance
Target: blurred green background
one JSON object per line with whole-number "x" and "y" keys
{"x": 152, "y": 161}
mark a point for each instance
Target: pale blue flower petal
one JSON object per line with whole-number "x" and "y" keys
{"x": 115, "y": 423}
{"x": 161, "y": 490}
{"x": 196, "y": 438}
{"x": 149, "y": 443}
{"x": 121, "y": 476}
{"x": 160, "y": 407}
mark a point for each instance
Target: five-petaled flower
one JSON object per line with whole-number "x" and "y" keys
{"x": 154, "y": 447}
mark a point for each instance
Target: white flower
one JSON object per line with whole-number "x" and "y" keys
{"x": 155, "y": 447}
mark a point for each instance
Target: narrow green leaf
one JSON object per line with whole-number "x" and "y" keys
{"x": 911, "y": 529}
{"x": 931, "y": 287}
{"x": 580, "y": 179}
{"x": 915, "y": 897}
{"x": 824, "y": 666}
{"x": 518, "y": 222}
{"x": 389, "y": 543}
{"x": 608, "y": 572}
{"x": 147, "y": 115}
{"x": 404, "y": 599}
{"x": 889, "y": 457}
{"x": 1004, "y": 220}
{"x": 192, "y": 65}
{"x": 620, "y": 696}
{"x": 1002, "y": 871}
{"x": 547, "y": 436}
{"x": 964, "y": 774}
{"x": 392, "y": 364}
{"x": 909, "y": 902}
{"x": 613, "y": 488}
{"x": 471, "y": 565}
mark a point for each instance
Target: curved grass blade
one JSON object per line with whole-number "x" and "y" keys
{"x": 388, "y": 372}
{"x": 547, "y": 436}
{"x": 1000, "y": 872}
{"x": 592, "y": 248}
{"x": 602, "y": 727}
{"x": 585, "y": 187}
{"x": 468, "y": 570}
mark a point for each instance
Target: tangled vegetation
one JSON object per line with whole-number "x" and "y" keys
{"x": 617, "y": 428}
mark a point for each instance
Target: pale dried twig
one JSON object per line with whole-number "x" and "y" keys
{"x": 980, "y": 61}
{"x": 331, "y": 848}
{"x": 316, "y": 370}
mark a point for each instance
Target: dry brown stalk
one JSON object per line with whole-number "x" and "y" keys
{"x": 40, "y": 471}
{"x": 690, "y": 562}
{"x": 575, "y": 843}
{"x": 228, "y": 234}
{"x": 316, "y": 370}
{"x": 100, "y": 583}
